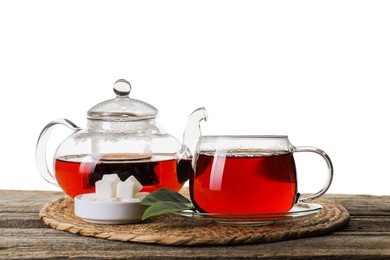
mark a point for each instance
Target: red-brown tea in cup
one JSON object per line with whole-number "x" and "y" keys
{"x": 244, "y": 183}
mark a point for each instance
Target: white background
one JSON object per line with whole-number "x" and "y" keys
{"x": 318, "y": 71}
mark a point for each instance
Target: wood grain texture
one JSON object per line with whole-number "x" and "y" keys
{"x": 24, "y": 236}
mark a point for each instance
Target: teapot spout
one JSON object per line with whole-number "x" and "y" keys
{"x": 192, "y": 131}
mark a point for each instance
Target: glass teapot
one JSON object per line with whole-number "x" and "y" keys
{"x": 121, "y": 137}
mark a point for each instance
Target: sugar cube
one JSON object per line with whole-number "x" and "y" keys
{"x": 125, "y": 190}
{"x": 111, "y": 177}
{"x": 137, "y": 187}
{"x": 105, "y": 189}
{"x": 111, "y": 188}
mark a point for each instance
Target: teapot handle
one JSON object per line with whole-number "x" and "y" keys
{"x": 40, "y": 149}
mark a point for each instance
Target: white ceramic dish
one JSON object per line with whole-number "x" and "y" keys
{"x": 91, "y": 210}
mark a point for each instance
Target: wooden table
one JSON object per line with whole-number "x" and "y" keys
{"x": 23, "y": 235}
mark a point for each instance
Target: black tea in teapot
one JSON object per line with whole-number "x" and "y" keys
{"x": 78, "y": 174}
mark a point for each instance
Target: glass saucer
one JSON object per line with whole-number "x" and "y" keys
{"x": 298, "y": 210}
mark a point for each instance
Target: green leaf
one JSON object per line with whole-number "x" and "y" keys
{"x": 165, "y": 207}
{"x": 165, "y": 201}
{"x": 164, "y": 195}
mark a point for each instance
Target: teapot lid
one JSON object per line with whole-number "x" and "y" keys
{"x": 122, "y": 108}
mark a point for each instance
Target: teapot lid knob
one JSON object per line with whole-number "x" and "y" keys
{"x": 122, "y": 108}
{"x": 122, "y": 88}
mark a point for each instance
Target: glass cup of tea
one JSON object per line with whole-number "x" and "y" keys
{"x": 248, "y": 174}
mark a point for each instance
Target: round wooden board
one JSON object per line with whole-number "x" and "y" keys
{"x": 176, "y": 230}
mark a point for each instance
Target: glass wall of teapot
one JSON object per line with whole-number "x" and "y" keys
{"x": 121, "y": 137}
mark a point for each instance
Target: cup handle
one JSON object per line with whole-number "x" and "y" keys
{"x": 40, "y": 149}
{"x": 330, "y": 171}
